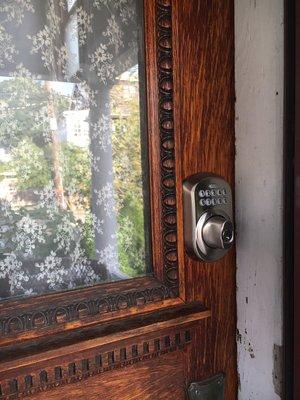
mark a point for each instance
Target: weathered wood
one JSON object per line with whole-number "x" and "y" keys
{"x": 138, "y": 340}
{"x": 143, "y": 381}
{"x": 114, "y": 301}
{"x": 106, "y": 334}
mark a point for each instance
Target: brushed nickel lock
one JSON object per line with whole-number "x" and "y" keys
{"x": 208, "y": 216}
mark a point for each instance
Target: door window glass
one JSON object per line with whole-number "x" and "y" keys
{"x": 72, "y": 143}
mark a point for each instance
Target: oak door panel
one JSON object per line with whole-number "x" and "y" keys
{"x": 204, "y": 99}
{"x": 159, "y": 378}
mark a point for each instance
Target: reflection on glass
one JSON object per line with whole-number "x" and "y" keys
{"x": 71, "y": 184}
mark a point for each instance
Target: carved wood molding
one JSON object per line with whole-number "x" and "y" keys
{"x": 36, "y": 315}
{"x": 166, "y": 126}
{"x": 37, "y": 380}
{"x": 60, "y": 314}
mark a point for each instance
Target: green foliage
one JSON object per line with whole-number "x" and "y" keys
{"x": 3, "y": 168}
{"x": 23, "y": 131}
{"x": 131, "y": 240}
{"x": 29, "y": 165}
{"x": 20, "y": 98}
{"x": 76, "y": 169}
{"x": 126, "y": 142}
{"x": 88, "y": 237}
{"x": 23, "y": 102}
{"x": 126, "y": 145}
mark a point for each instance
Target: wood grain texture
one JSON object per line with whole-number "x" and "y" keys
{"x": 159, "y": 69}
{"x": 105, "y": 335}
{"x": 107, "y": 348}
{"x": 204, "y": 121}
{"x": 35, "y": 321}
{"x": 161, "y": 378}
{"x": 87, "y": 362}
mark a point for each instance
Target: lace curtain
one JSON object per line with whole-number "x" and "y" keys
{"x": 71, "y": 190}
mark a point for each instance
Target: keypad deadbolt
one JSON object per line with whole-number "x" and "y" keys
{"x": 208, "y": 216}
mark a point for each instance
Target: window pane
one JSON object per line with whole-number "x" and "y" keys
{"x": 72, "y": 189}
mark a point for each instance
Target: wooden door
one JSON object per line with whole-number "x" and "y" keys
{"x": 148, "y": 337}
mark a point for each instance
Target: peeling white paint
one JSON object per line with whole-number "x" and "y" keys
{"x": 259, "y": 136}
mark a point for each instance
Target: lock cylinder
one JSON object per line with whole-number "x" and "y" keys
{"x": 218, "y": 232}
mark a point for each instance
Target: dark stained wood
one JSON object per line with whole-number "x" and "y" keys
{"x": 296, "y": 210}
{"x": 291, "y": 256}
{"x": 78, "y": 362}
{"x": 153, "y": 129}
{"x": 204, "y": 131}
{"x": 159, "y": 69}
{"x": 148, "y": 298}
{"x": 104, "y": 334}
{"x": 161, "y": 378}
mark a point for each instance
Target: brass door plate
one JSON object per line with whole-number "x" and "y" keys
{"x": 210, "y": 389}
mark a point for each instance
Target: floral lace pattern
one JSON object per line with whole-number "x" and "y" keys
{"x": 71, "y": 182}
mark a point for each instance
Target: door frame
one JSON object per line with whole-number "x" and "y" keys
{"x": 291, "y": 265}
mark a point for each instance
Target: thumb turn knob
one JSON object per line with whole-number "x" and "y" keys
{"x": 218, "y": 232}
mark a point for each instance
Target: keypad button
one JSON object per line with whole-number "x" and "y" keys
{"x": 207, "y": 192}
{"x": 219, "y": 192}
{"x": 219, "y": 201}
{"x": 202, "y": 202}
{"x": 202, "y": 193}
{"x": 208, "y": 202}
{"x": 224, "y": 192}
